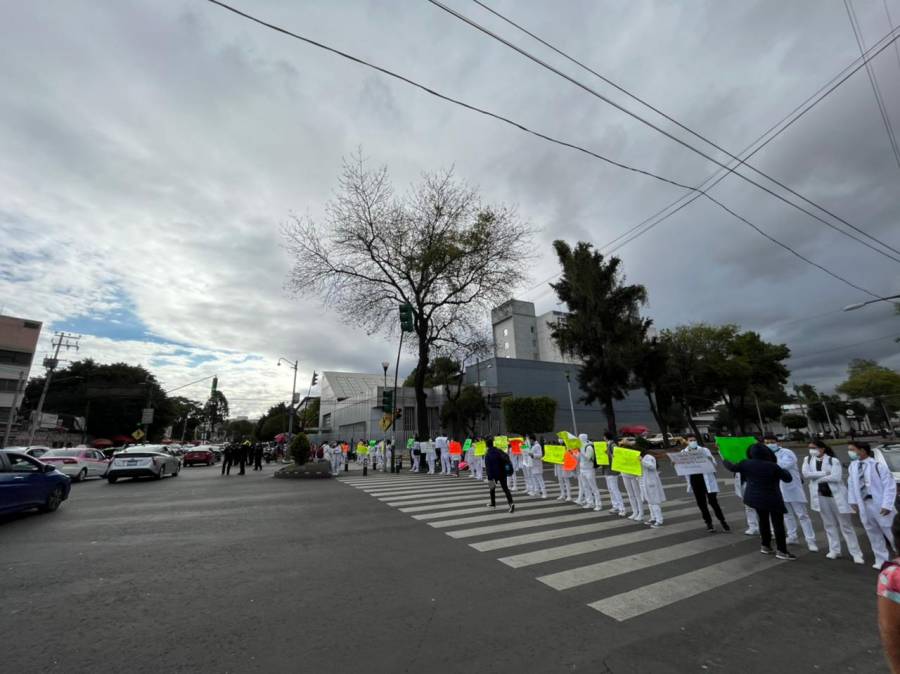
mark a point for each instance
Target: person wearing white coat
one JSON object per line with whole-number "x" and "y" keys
{"x": 334, "y": 455}
{"x": 416, "y": 457}
{"x": 537, "y": 467}
{"x": 828, "y": 497}
{"x": 872, "y": 492}
{"x": 633, "y": 489}
{"x": 612, "y": 481}
{"x": 793, "y": 495}
{"x": 652, "y": 490}
{"x": 516, "y": 462}
{"x": 705, "y": 487}
{"x": 442, "y": 443}
{"x": 588, "y": 474}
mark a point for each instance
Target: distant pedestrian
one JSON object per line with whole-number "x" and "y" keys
{"x": 652, "y": 489}
{"x": 537, "y": 467}
{"x": 499, "y": 468}
{"x": 612, "y": 479}
{"x": 762, "y": 476}
{"x": 257, "y": 456}
{"x": 228, "y": 460}
{"x": 242, "y": 456}
{"x": 872, "y": 492}
{"x": 704, "y": 486}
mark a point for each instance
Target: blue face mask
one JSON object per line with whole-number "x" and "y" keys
{"x": 853, "y": 455}
{"x": 773, "y": 446}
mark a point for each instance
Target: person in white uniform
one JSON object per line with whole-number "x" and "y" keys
{"x": 388, "y": 454}
{"x": 828, "y": 497}
{"x": 470, "y": 459}
{"x": 568, "y": 475}
{"x": 478, "y": 466}
{"x": 749, "y": 513}
{"x": 871, "y": 493}
{"x": 588, "y": 471}
{"x": 515, "y": 461}
{"x": 612, "y": 481}
{"x": 442, "y": 443}
{"x": 704, "y": 486}
{"x": 527, "y": 462}
{"x": 793, "y": 495}
{"x": 537, "y": 466}
{"x": 652, "y": 490}
{"x": 633, "y": 489}
{"x": 333, "y": 453}
{"x": 416, "y": 457}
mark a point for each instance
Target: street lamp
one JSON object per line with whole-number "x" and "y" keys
{"x": 571, "y": 404}
{"x": 860, "y": 305}
{"x": 293, "y": 365}
{"x": 384, "y": 366}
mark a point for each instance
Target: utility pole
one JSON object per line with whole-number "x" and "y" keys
{"x": 20, "y": 388}
{"x": 827, "y": 416}
{"x": 396, "y": 401}
{"x": 762, "y": 428}
{"x": 60, "y": 339}
{"x": 293, "y": 365}
{"x": 571, "y": 404}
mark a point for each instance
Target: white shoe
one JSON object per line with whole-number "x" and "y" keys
{"x": 656, "y": 525}
{"x": 792, "y": 541}
{"x": 877, "y": 566}
{"x": 587, "y": 506}
{"x": 751, "y": 532}
{"x": 543, "y": 496}
{"x": 570, "y": 500}
{"x": 613, "y": 510}
{"x": 833, "y": 555}
{"x": 621, "y": 513}
{"x": 598, "y": 509}
{"x": 859, "y": 560}
{"x": 560, "y": 498}
{"x": 812, "y": 546}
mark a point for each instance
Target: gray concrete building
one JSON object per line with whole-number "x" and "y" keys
{"x": 519, "y": 333}
{"x": 18, "y": 342}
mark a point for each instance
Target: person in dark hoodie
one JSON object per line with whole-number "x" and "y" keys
{"x": 498, "y": 467}
{"x": 762, "y": 476}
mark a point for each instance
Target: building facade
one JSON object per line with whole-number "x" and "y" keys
{"x": 18, "y": 343}
{"x": 519, "y": 333}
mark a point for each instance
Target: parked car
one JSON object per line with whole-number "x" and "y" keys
{"x": 79, "y": 463}
{"x": 34, "y": 451}
{"x": 27, "y": 483}
{"x": 139, "y": 462}
{"x": 196, "y": 455}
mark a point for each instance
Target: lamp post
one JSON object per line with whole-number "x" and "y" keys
{"x": 293, "y": 365}
{"x": 860, "y": 305}
{"x": 571, "y": 404}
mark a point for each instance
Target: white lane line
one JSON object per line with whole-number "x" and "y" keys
{"x": 565, "y": 580}
{"x": 513, "y": 526}
{"x": 634, "y": 603}
{"x": 525, "y": 539}
{"x": 596, "y": 544}
{"x": 503, "y": 515}
{"x": 475, "y": 511}
{"x": 428, "y": 494}
{"x": 436, "y": 499}
{"x": 380, "y": 491}
{"x": 424, "y": 508}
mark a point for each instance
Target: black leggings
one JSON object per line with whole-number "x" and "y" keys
{"x": 698, "y": 486}
{"x": 503, "y": 485}
{"x": 765, "y": 532}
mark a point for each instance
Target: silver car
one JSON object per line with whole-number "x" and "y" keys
{"x": 143, "y": 462}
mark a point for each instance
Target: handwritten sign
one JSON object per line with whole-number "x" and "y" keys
{"x": 455, "y": 448}
{"x": 601, "y": 453}
{"x": 691, "y": 463}
{"x": 627, "y": 461}
{"x": 480, "y": 448}
{"x": 515, "y": 445}
{"x": 734, "y": 449}
{"x": 554, "y": 454}
{"x": 501, "y": 442}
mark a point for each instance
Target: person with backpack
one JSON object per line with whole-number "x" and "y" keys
{"x": 537, "y": 467}
{"x": 587, "y": 466}
{"x": 871, "y": 493}
{"x": 499, "y": 468}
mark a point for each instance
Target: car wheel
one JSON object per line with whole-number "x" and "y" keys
{"x": 54, "y": 498}
{"x": 112, "y": 479}
{"x": 209, "y": 463}
{"x": 82, "y": 475}
{"x": 177, "y": 470}
{"x": 159, "y": 475}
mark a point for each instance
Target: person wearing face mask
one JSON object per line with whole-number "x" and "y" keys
{"x": 794, "y": 496}
{"x": 537, "y": 466}
{"x": 612, "y": 480}
{"x": 871, "y": 493}
{"x": 828, "y": 497}
{"x": 588, "y": 474}
{"x": 705, "y": 487}
{"x": 652, "y": 489}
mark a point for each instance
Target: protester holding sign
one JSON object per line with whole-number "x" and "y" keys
{"x": 537, "y": 468}
{"x": 628, "y": 463}
{"x": 794, "y": 496}
{"x": 652, "y": 490}
{"x": 612, "y": 481}
{"x": 442, "y": 444}
{"x": 499, "y": 468}
{"x": 704, "y": 486}
{"x": 588, "y": 475}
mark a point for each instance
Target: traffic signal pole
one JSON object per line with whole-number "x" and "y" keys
{"x": 394, "y": 416}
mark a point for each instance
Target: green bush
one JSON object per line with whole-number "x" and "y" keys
{"x": 300, "y": 449}
{"x": 529, "y": 414}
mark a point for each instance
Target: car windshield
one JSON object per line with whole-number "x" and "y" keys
{"x": 137, "y": 453}
{"x": 63, "y": 452}
{"x": 893, "y": 459}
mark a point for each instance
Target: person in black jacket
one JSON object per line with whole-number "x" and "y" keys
{"x": 762, "y": 492}
{"x": 498, "y": 467}
{"x": 228, "y": 460}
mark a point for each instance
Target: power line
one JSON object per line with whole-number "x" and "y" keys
{"x": 857, "y": 33}
{"x": 891, "y": 24}
{"x": 659, "y": 129}
{"x": 535, "y": 133}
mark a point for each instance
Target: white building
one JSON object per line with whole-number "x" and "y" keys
{"x": 519, "y": 333}
{"x": 18, "y": 342}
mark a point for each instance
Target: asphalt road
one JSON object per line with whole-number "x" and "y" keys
{"x": 202, "y": 573}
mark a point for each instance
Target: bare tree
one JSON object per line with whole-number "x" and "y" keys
{"x": 439, "y": 248}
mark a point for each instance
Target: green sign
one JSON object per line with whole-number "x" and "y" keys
{"x": 734, "y": 449}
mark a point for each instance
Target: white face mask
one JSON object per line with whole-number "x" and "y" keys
{"x": 773, "y": 446}
{"x": 692, "y": 444}
{"x": 814, "y": 453}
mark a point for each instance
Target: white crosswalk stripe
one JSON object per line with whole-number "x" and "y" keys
{"x": 681, "y": 547}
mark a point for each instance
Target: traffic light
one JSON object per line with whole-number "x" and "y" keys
{"x": 314, "y": 379}
{"x": 406, "y": 318}
{"x": 398, "y": 413}
{"x": 215, "y": 385}
{"x": 387, "y": 400}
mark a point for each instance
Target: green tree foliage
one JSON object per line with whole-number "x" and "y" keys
{"x": 300, "y": 448}
{"x": 881, "y": 385}
{"x": 216, "y": 408}
{"x": 793, "y": 421}
{"x": 651, "y": 370}
{"x": 438, "y": 248}
{"x": 187, "y": 415}
{"x": 242, "y": 429}
{"x": 110, "y": 397}
{"x": 441, "y": 371}
{"x": 524, "y": 414}
{"x": 603, "y": 328}
{"x": 461, "y": 414}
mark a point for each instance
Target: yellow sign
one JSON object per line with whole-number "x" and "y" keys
{"x": 501, "y": 442}
{"x": 627, "y": 461}
{"x": 480, "y": 448}
{"x": 361, "y": 449}
{"x": 573, "y": 443}
{"x": 564, "y": 435}
{"x": 138, "y": 434}
{"x": 601, "y": 454}
{"x": 554, "y": 454}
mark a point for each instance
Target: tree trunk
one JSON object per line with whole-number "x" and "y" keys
{"x": 690, "y": 417}
{"x": 422, "y": 430}
{"x": 610, "y": 413}
{"x": 656, "y": 415}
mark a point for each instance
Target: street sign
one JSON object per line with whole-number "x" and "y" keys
{"x": 849, "y": 413}
{"x": 147, "y": 415}
{"x": 138, "y": 434}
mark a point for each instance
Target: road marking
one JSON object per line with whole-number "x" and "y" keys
{"x": 481, "y": 502}
{"x": 513, "y": 541}
{"x": 501, "y": 515}
{"x": 473, "y": 511}
{"x": 513, "y": 526}
{"x": 399, "y": 498}
{"x": 654, "y": 596}
{"x": 433, "y": 499}
{"x": 565, "y": 580}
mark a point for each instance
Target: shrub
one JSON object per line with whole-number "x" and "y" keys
{"x": 300, "y": 449}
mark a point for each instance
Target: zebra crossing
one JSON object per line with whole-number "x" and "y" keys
{"x": 602, "y": 551}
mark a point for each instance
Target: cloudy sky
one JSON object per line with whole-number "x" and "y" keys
{"x": 149, "y": 153}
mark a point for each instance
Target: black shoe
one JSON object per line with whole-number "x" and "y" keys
{"x": 710, "y": 528}
{"x": 725, "y": 526}
{"x": 785, "y": 555}
{"x": 512, "y": 508}
{"x": 766, "y": 550}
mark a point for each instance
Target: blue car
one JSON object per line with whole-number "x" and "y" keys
{"x": 27, "y": 483}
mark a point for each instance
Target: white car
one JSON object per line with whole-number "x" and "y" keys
{"x": 35, "y": 451}
{"x": 146, "y": 461}
{"x": 79, "y": 463}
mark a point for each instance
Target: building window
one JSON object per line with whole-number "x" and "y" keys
{"x": 532, "y": 329}
{"x": 506, "y": 345}
{"x": 8, "y": 385}
{"x": 505, "y": 332}
{"x": 14, "y": 358}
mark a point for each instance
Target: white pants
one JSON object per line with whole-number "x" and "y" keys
{"x": 797, "y": 511}
{"x": 470, "y": 460}
{"x": 479, "y": 467}
{"x": 527, "y": 473}
{"x": 416, "y": 458}
{"x": 634, "y": 495}
{"x": 537, "y": 480}
{"x": 335, "y": 463}
{"x": 512, "y": 481}
{"x": 834, "y": 521}
{"x": 429, "y": 458}
{"x": 752, "y": 519}
{"x": 446, "y": 467}
{"x": 615, "y": 494}
{"x": 876, "y": 531}
{"x": 591, "y": 490}
{"x": 656, "y": 512}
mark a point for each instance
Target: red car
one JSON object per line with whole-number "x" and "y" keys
{"x": 198, "y": 455}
